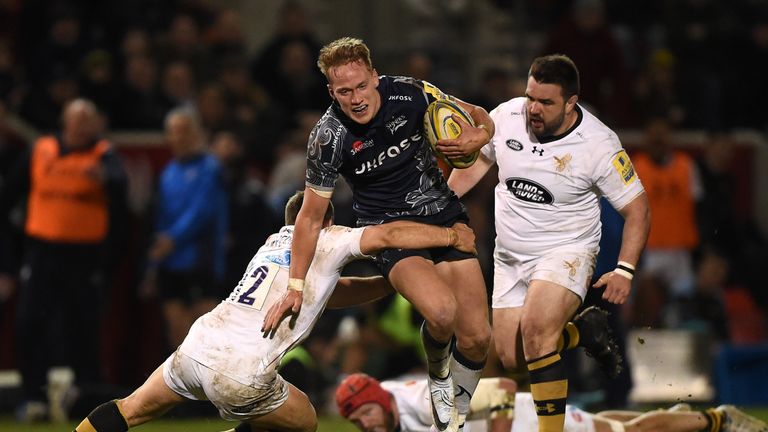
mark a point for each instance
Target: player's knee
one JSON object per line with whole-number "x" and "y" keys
{"x": 441, "y": 317}
{"x": 537, "y": 339}
{"x": 476, "y": 341}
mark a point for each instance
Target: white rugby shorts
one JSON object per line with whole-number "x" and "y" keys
{"x": 234, "y": 400}
{"x": 568, "y": 267}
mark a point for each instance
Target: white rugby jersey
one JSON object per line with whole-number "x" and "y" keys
{"x": 576, "y": 420}
{"x": 412, "y": 398}
{"x": 229, "y": 339}
{"x": 547, "y": 195}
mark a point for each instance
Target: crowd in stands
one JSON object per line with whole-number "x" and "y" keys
{"x": 654, "y": 66}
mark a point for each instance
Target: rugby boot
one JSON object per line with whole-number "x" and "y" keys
{"x": 441, "y": 399}
{"x": 596, "y": 338}
{"x": 735, "y": 420}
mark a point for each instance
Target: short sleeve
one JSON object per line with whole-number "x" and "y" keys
{"x": 616, "y": 176}
{"x": 431, "y": 92}
{"x": 324, "y": 153}
{"x": 489, "y": 149}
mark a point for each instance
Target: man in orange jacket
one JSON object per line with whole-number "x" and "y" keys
{"x": 74, "y": 184}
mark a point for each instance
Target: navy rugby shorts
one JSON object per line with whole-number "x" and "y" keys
{"x": 455, "y": 212}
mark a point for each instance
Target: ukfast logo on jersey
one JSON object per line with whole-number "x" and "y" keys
{"x": 529, "y": 190}
{"x": 624, "y": 167}
{"x": 359, "y": 146}
{"x": 403, "y": 98}
{"x": 390, "y": 153}
{"x": 395, "y": 124}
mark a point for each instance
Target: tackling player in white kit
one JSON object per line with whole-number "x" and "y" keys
{"x": 225, "y": 359}
{"x": 555, "y": 160}
{"x": 403, "y": 406}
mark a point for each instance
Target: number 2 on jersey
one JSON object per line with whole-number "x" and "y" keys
{"x": 257, "y": 285}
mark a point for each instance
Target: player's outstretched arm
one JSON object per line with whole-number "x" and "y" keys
{"x": 462, "y": 180}
{"x": 637, "y": 225}
{"x": 412, "y": 235}
{"x": 306, "y": 230}
{"x": 352, "y": 291}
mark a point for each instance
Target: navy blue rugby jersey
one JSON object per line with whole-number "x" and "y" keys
{"x": 388, "y": 162}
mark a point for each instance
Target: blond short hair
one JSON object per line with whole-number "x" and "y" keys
{"x": 343, "y": 51}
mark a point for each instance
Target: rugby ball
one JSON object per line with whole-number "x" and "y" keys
{"x": 438, "y": 124}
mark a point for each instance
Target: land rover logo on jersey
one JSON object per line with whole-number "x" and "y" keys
{"x": 514, "y": 144}
{"x": 528, "y": 190}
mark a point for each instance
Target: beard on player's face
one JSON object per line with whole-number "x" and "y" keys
{"x": 544, "y": 128}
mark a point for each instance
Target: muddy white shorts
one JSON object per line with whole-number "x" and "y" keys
{"x": 234, "y": 400}
{"x": 570, "y": 268}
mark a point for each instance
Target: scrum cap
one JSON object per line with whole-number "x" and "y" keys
{"x": 359, "y": 389}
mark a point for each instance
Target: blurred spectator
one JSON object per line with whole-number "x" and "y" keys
{"x": 178, "y": 85}
{"x": 141, "y": 105}
{"x": 656, "y": 89}
{"x": 11, "y": 225}
{"x": 387, "y": 342}
{"x": 311, "y": 365}
{"x": 64, "y": 47}
{"x": 225, "y": 37}
{"x": 704, "y": 310}
{"x": 648, "y": 306}
{"x": 258, "y": 120}
{"x": 419, "y": 65}
{"x": 715, "y": 209}
{"x": 215, "y": 114}
{"x": 746, "y": 74}
{"x": 183, "y": 41}
{"x": 187, "y": 256}
{"x": 251, "y": 218}
{"x": 673, "y": 186}
{"x": 288, "y": 174}
{"x": 10, "y": 75}
{"x": 136, "y": 42}
{"x": 44, "y": 102}
{"x": 298, "y": 84}
{"x": 697, "y": 40}
{"x": 292, "y": 26}
{"x": 75, "y": 186}
{"x": 587, "y": 38}
{"x": 98, "y": 81}
{"x": 495, "y": 87}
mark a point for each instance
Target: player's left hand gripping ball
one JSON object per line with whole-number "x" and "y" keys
{"x": 439, "y": 124}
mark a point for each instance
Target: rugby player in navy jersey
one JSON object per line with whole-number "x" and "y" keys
{"x": 372, "y": 135}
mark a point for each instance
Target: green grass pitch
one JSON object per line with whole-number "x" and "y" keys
{"x": 327, "y": 424}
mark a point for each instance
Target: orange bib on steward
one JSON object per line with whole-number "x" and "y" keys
{"x": 66, "y": 203}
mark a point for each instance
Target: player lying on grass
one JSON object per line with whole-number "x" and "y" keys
{"x": 225, "y": 360}
{"x": 497, "y": 407}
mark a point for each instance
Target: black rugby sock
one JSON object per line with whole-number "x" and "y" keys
{"x": 105, "y": 418}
